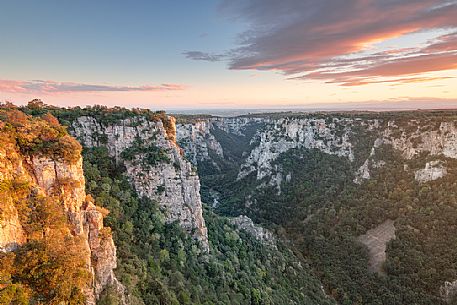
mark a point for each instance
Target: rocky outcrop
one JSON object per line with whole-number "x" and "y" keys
{"x": 67, "y": 179}
{"x": 103, "y": 250}
{"x": 271, "y": 138}
{"x": 281, "y": 135}
{"x": 412, "y": 139}
{"x": 62, "y": 182}
{"x": 449, "y": 291}
{"x": 12, "y": 234}
{"x": 11, "y": 231}
{"x": 154, "y": 164}
{"x": 433, "y": 170}
{"x": 417, "y": 138}
{"x": 363, "y": 173}
{"x": 246, "y": 224}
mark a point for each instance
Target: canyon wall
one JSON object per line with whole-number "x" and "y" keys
{"x": 154, "y": 164}
{"x": 330, "y": 134}
{"x": 33, "y": 176}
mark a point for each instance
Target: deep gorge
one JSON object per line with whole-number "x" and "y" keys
{"x": 274, "y": 208}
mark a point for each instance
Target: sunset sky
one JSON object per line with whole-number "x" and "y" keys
{"x": 230, "y": 54}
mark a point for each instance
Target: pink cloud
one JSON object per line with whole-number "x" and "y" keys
{"x": 414, "y": 65}
{"x": 40, "y": 86}
{"x": 325, "y": 38}
{"x": 394, "y": 82}
{"x": 12, "y": 86}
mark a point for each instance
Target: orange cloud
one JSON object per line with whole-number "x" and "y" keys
{"x": 413, "y": 65}
{"x": 316, "y": 39}
{"x": 394, "y": 82}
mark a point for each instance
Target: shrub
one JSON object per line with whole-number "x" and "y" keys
{"x": 39, "y": 136}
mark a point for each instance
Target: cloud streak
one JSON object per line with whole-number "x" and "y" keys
{"x": 332, "y": 40}
{"x": 41, "y": 86}
{"x": 413, "y": 65}
{"x": 197, "y": 55}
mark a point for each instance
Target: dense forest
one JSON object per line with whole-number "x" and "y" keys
{"x": 161, "y": 264}
{"x": 158, "y": 262}
{"x": 322, "y": 211}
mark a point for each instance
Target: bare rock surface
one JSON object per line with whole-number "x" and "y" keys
{"x": 245, "y": 223}
{"x": 376, "y": 241}
{"x": 433, "y": 170}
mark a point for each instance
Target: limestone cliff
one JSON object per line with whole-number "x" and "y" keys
{"x": 332, "y": 134}
{"x": 198, "y": 141}
{"x": 28, "y": 172}
{"x": 154, "y": 164}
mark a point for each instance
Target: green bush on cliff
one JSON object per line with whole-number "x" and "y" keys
{"x": 149, "y": 153}
{"x": 103, "y": 114}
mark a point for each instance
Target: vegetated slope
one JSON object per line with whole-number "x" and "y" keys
{"x": 160, "y": 259}
{"x": 160, "y": 264}
{"x": 53, "y": 246}
{"x": 324, "y": 180}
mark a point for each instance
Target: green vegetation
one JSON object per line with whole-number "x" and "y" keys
{"x": 422, "y": 115}
{"x": 191, "y": 118}
{"x": 149, "y": 153}
{"x": 322, "y": 212}
{"x": 319, "y": 210}
{"x": 38, "y": 271}
{"x": 220, "y": 174}
{"x": 160, "y": 264}
{"x": 104, "y": 115}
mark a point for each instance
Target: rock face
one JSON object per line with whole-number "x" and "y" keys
{"x": 245, "y": 223}
{"x": 49, "y": 173}
{"x": 11, "y": 232}
{"x": 332, "y": 134}
{"x": 433, "y": 170}
{"x": 198, "y": 141}
{"x": 63, "y": 180}
{"x": 284, "y": 134}
{"x": 276, "y": 136}
{"x": 154, "y": 164}
{"x": 412, "y": 139}
{"x": 103, "y": 250}
{"x": 449, "y": 291}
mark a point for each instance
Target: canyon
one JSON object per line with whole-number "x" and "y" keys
{"x": 334, "y": 195}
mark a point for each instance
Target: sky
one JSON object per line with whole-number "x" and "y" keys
{"x": 230, "y": 54}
